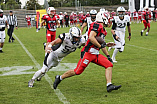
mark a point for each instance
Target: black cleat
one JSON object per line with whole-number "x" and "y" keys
{"x": 141, "y": 33}
{"x": 57, "y": 81}
{"x": 1, "y": 51}
{"x": 112, "y": 87}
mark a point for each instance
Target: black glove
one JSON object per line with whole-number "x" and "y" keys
{"x": 109, "y": 58}
{"x": 103, "y": 45}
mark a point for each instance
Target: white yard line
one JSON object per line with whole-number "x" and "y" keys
{"x": 61, "y": 97}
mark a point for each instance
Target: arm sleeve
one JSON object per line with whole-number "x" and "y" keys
{"x": 16, "y": 21}
{"x": 114, "y": 25}
{"x": 62, "y": 36}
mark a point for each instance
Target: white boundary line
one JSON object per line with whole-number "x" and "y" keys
{"x": 61, "y": 97}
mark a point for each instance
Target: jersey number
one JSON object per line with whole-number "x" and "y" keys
{"x": 121, "y": 25}
{"x": 68, "y": 49}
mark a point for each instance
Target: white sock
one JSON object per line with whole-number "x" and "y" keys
{"x": 142, "y": 31}
{"x": 37, "y": 74}
{"x": 61, "y": 78}
{"x": 115, "y": 53}
{"x": 108, "y": 83}
{"x": 147, "y": 33}
{"x": 0, "y": 48}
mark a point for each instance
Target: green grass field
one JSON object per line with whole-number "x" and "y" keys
{"x": 136, "y": 71}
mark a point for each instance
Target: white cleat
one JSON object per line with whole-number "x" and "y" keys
{"x": 30, "y": 83}
{"x": 114, "y": 61}
{"x": 110, "y": 48}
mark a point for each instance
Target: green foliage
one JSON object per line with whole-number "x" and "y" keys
{"x": 135, "y": 71}
{"x": 11, "y": 4}
{"x": 33, "y": 5}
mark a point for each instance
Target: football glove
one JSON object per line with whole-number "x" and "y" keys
{"x": 103, "y": 45}
{"x": 109, "y": 58}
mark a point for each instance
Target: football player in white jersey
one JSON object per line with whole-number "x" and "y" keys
{"x": 57, "y": 50}
{"x": 3, "y": 22}
{"x": 87, "y": 22}
{"x": 118, "y": 30}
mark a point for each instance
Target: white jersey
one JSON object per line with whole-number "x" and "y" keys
{"x": 3, "y": 22}
{"x": 88, "y": 21}
{"x": 121, "y": 24}
{"x": 66, "y": 46}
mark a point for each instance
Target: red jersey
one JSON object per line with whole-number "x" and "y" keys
{"x": 139, "y": 13}
{"x": 51, "y": 22}
{"x": 28, "y": 19}
{"x": 99, "y": 29}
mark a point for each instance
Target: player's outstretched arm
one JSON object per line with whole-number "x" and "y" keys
{"x": 48, "y": 48}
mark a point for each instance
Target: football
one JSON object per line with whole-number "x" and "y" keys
{"x": 99, "y": 39}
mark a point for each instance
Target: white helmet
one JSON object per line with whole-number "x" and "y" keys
{"x": 74, "y": 32}
{"x": 93, "y": 12}
{"x": 121, "y": 9}
{"x": 102, "y": 10}
{"x": 50, "y": 9}
{"x": 100, "y": 17}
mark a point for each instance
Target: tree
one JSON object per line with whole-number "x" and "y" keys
{"x": 32, "y": 5}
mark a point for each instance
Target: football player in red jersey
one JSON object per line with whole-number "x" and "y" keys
{"x": 145, "y": 18}
{"x": 28, "y": 19}
{"x": 51, "y": 24}
{"x": 139, "y": 16}
{"x": 90, "y": 53}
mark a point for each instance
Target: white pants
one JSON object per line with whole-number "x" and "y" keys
{"x": 120, "y": 45}
{"x": 50, "y": 61}
{"x": 2, "y": 36}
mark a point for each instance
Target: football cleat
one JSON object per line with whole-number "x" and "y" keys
{"x": 112, "y": 87}
{"x": 30, "y": 83}
{"x": 114, "y": 60}
{"x": 141, "y": 33}
{"x": 57, "y": 81}
{"x": 146, "y": 34}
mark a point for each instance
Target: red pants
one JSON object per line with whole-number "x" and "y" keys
{"x": 50, "y": 35}
{"x": 146, "y": 24}
{"x": 87, "y": 58}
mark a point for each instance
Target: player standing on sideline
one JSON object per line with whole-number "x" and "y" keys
{"x": 3, "y": 22}
{"x": 135, "y": 15}
{"x": 64, "y": 45}
{"x": 66, "y": 19}
{"x": 28, "y": 19}
{"x": 90, "y": 53}
{"x": 51, "y": 24}
{"x": 87, "y": 22}
{"x": 146, "y": 22}
{"x": 71, "y": 19}
{"x": 139, "y": 16}
{"x": 118, "y": 30}
{"x": 61, "y": 17}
